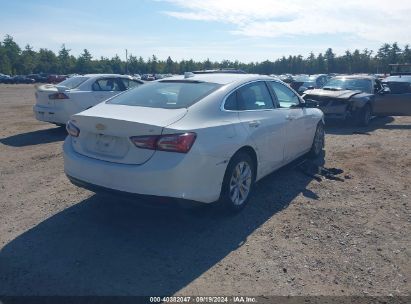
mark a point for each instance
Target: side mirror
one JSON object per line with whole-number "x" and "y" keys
{"x": 385, "y": 90}
{"x": 309, "y": 103}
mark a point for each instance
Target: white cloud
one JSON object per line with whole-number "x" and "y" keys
{"x": 373, "y": 20}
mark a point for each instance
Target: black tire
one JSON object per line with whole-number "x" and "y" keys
{"x": 363, "y": 116}
{"x": 318, "y": 142}
{"x": 228, "y": 191}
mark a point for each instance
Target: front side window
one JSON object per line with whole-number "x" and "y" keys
{"x": 254, "y": 96}
{"x": 286, "y": 97}
{"x": 106, "y": 84}
{"x": 167, "y": 94}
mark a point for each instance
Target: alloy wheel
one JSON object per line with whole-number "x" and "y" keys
{"x": 240, "y": 183}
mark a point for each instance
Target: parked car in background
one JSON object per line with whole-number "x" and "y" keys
{"x": 358, "y": 97}
{"x": 56, "y": 78}
{"x": 56, "y": 103}
{"x": 200, "y": 137}
{"x": 5, "y": 78}
{"x": 220, "y": 71}
{"x": 148, "y": 77}
{"x": 21, "y": 79}
{"x": 42, "y": 78}
{"x": 287, "y": 78}
{"x": 302, "y": 83}
{"x": 400, "y": 84}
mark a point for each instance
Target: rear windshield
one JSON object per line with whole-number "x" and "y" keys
{"x": 73, "y": 82}
{"x": 166, "y": 94}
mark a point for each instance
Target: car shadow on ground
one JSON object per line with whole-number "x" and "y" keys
{"x": 35, "y": 137}
{"x": 105, "y": 245}
{"x": 349, "y": 128}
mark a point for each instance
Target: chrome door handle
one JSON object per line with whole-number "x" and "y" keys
{"x": 254, "y": 124}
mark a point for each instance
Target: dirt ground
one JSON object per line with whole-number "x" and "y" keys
{"x": 299, "y": 235}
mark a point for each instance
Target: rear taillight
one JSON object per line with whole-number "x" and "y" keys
{"x": 58, "y": 96}
{"x": 72, "y": 130}
{"x": 145, "y": 142}
{"x": 180, "y": 143}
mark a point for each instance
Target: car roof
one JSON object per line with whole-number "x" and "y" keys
{"x": 103, "y": 75}
{"x": 220, "y": 78}
{"x": 369, "y": 77}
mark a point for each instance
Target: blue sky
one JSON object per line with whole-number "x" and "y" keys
{"x": 226, "y": 29}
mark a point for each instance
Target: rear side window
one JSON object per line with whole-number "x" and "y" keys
{"x": 130, "y": 83}
{"x": 166, "y": 94}
{"x": 73, "y": 82}
{"x": 106, "y": 84}
{"x": 231, "y": 102}
{"x": 253, "y": 96}
{"x": 286, "y": 97}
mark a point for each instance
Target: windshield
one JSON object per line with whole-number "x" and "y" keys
{"x": 364, "y": 85}
{"x": 166, "y": 94}
{"x": 73, "y": 82}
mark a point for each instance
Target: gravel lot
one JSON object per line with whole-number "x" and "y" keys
{"x": 300, "y": 235}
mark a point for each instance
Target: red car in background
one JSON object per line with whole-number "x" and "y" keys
{"x": 56, "y": 78}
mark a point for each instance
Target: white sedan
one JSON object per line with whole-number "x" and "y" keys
{"x": 203, "y": 138}
{"x": 56, "y": 103}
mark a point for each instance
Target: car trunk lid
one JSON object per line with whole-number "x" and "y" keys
{"x": 42, "y": 94}
{"x": 105, "y": 131}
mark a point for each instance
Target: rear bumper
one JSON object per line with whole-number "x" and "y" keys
{"x": 50, "y": 114}
{"x": 189, "y": 176}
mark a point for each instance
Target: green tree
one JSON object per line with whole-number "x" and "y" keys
{"x": 330, "y": 61}
{"x": 169, "y": 67}
{"x": 5, "y": 65}
{"x": 406, "y": 54}
{"x": 13, "y": 52}
{"x": 153, "y": 65}
{"x": 47, "y": 62}
{"x": 321, "y": 64}
{"x": 28, "y": 60}
{"x": 84, "y": 64}
{"x": 383, "y": 56}
{"x": 66, "y": 62}
{"x": 117, "y": 65}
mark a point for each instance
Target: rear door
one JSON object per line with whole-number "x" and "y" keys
{"x": 300, "y": 128}
{"x": 265, "y": 126}
{"x": 393, "y": 102}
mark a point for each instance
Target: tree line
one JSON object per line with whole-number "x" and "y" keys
{"x": 15, "y": 60}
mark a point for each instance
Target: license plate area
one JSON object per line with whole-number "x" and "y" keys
{"x": 105, "y": 143}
